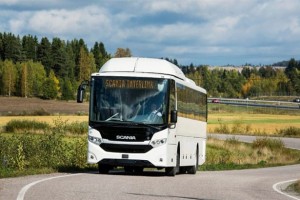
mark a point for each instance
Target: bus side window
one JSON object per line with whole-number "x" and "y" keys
{"x": 172, "y": 99}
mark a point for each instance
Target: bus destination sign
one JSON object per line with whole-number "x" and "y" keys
{"x": 130, "y": 84}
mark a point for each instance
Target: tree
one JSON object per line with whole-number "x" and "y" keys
{"x": 9, "y": 77}
{"x": 29, "y": 47}
{"x": 67, "y": 90}
{"x": 1, "y": 47}
{"x": 58, "y": 56}
{"x": 51, "y": 86}
{"x": 100, "y": 54}
{"x": 123, "y": 53}
{"x": 24, "y": 80}
{"x": 77, "y": 45}
{"x": 69, "y": 71}
{"x": 86, "y": 65}
{"x": 12, "y": 48}
{"x": 44, "y": 54}
{"x": 292, "y": 71}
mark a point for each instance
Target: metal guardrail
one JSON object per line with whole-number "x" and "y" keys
{"x": 256, "y": 103}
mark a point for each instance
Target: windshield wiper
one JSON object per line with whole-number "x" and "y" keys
{"x": 144, "y": 124}
{"x": 112, "y": 117}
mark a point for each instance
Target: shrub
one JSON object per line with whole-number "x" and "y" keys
{"x": 53, "y": 151}
{"x": 270, "y": 143}
{"x": 79, "y": 128}
{"x": 290, "y": 132}
{"x": 25, "y": 125}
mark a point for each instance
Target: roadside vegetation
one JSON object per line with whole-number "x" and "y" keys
{"x": 253, "y": 121}
{"x": 31, "y": 147}
{"x": 233, "y": 154}
{"x": 294, "y": 188}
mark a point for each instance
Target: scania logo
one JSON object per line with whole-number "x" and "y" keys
{"x": 125, "y": 137}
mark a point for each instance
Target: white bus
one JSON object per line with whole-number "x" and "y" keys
{"x": 144, "y": 113}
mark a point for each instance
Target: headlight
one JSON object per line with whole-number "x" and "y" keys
{"x": 156, "y": 143}
{"x": 95, "y": 140}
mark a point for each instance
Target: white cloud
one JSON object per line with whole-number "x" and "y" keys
{"x": 8, "y": 2}
{"x": 62, "y": 22}
{"x": 206, "y": 27}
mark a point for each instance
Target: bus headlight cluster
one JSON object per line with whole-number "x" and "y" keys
{"x": 156, "y": 143}
{"x": 95, "y": 140}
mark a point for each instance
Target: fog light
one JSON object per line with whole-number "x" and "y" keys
{"x": 156, "y": 143}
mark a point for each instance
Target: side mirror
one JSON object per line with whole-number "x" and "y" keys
{"x": 81, "y": 91}
{"x": 173, "y": 116}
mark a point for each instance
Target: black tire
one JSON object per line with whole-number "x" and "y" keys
{"x": 138, "y": 170}
{"x": 128, "y": 169}
{"x": 193, "y": 169}
{"x": 172, "y": 171}
{"x": 103, "y": 169}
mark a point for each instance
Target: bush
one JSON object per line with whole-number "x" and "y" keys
{"x": 289, "y": 132}
{"x": 25, "y": 125}
{"x": 52, "y": 151}
{"x": 60, "y": 126}
{"x": 79, "y": 128}
{"x": 272, "y": 144}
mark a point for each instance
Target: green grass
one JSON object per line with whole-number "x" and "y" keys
{"x": 295, "y": 187}
{"x": 33, "y": 147}
{"x": 232, "y": 154}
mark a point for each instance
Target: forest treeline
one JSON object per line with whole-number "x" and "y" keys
{"x": 30, "y": 67}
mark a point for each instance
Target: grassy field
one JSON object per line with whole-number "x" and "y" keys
{"x": 48, "y": 119}
{"x": 26, "y": 152}
{"x": 256, "y": 123}
{"x": 221, "y": 118}
{"x": 252, "y": 121}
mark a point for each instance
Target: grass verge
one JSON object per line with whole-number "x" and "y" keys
{"x": 232, "y": 154}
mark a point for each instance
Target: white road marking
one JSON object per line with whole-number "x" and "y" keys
{"x": 28, "y": 186}
{"x": 283, "y": 193}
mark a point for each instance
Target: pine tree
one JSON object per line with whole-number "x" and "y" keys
{"x": 29, "y": 46}
{"x": 44, "y": 54}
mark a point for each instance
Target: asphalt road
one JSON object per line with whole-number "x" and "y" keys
{"x": 236, "y": 184}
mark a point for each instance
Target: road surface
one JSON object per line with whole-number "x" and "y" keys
{"x": 236, "y": 184}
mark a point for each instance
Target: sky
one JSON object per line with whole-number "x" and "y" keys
{"x": 202, "y": 32}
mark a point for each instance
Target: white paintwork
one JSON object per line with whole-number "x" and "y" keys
{"x": 188, "y": 133}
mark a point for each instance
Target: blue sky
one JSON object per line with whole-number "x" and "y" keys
{"x": 213, "y": 32}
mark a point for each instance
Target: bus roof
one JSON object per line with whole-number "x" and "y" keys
{"x": 142, "y": 65}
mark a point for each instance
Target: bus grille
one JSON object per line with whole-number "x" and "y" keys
{"x": 121, "y": 148}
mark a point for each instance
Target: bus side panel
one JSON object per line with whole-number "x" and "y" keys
{"x": 190, "y": 134}
{"x": 191, "y": 128}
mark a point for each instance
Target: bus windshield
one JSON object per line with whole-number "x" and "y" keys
{"x": 128, "y": 100}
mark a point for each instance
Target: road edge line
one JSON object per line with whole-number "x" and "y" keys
{"x": 283, "y": 193}
{"x": 24, "y": 189}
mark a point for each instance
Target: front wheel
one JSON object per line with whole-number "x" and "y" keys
{"x": 103, "y": 169}
{"x": 193, "y": 169}
{"x": 172, "y": 171}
